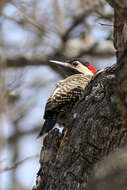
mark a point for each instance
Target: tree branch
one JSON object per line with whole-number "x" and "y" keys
{"x": 15, "y": 165}
{"x": 121, "y": 76}
{"x": 120, "y": 24}
{"x": 120, "y": 6}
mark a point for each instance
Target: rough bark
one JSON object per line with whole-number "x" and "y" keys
{"x": 97, "y": 127}
{"x": 111, "y": 173}
{"x": 120, "y": 24}
{"x": 120, "y": 6}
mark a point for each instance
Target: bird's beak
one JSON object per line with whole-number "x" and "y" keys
{"x": 59, "y": 63}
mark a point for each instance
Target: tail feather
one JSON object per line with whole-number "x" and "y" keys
{"x": 48, "y": 125}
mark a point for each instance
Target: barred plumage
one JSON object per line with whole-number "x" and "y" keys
{"x": 66, "y": 94}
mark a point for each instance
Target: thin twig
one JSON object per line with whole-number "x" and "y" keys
{"x": 105, "y": 24}
{"x": 15, "y": 165}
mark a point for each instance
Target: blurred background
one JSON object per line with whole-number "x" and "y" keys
{"x": 31, "y": 33}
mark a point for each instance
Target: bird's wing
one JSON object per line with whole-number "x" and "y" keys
{"x": 66, "y": 94}
{"x": 55, "y": 106}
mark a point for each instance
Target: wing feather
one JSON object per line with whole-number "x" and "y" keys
{"x": 67, "y": 94}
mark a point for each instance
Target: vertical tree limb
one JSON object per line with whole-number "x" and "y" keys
{"x": 97, "y": 127}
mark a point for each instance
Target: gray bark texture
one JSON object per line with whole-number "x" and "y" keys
{"x": 110, "y": 173}
{"x": 97, "y": 127}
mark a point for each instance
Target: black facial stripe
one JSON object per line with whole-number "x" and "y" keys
{"x": 81, "y": 60}
{"x": 74, "y": 71}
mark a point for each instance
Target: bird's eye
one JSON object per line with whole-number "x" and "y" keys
{"x": 74, "y": 63}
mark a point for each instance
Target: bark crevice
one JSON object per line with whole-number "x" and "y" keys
{"x": 95, "y": 129}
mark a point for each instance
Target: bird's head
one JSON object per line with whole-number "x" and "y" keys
{"x": 77, "y": 66}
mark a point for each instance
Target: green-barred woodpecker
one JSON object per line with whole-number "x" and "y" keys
{"x": 67, "y": 93}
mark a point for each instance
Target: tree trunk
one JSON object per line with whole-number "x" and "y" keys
{"x": 97, "y": 127}
{"x": 110, "y": 173}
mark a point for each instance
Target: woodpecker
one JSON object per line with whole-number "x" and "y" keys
{"x": 67, "y": 93}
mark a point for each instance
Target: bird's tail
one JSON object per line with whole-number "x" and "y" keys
{"x": 48, "y": 125}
